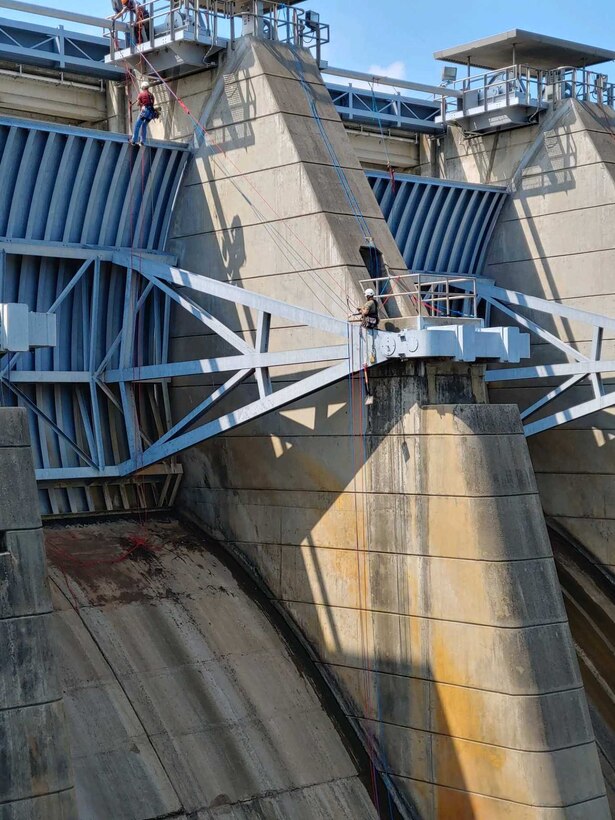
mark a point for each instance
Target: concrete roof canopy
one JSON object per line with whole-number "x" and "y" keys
{"x": 536, "y": 50}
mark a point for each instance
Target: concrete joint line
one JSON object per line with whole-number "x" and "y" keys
{"x": 497, "y": 627}
{"x": 503, "y": 799}
{"x": 549, "y": 751}
{"x": 23, "y": 706}
{"x": 545, "y": 693}
{"x": 30, "y": 616}
{"x": 35, "y": 796}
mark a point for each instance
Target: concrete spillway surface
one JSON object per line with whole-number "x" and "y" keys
{"x": 183, "y": 699}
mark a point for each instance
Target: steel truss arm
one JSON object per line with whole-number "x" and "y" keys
{"x": 581, "y": 368}
{"x": 112, "y": 372}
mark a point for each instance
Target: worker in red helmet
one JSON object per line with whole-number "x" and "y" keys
{"x": 147, "y": 113}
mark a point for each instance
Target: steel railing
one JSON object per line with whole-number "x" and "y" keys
{"x": 429, "y": 295}
{"x": 528, "y": 86}
{"x": 215, "y": 23}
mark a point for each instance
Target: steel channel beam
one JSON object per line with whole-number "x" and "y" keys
{"x": 244, "y": 414}
{"x": 66, "y": 250}
{"x": 546, "y": 371}
{"x": 232, "y": 293}
{"x": 227, "y": 364}
{"x": 572, "y": 413}
{"x": 376, "y": 79}
{"x": 61, "y": 14}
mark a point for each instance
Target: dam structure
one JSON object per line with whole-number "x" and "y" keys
{"x": 260, "y": 557}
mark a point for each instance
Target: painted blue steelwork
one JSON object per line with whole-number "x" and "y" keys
{"x": 128, "y": 364}
{"x": 56, "y": 48}
{"x": 82, "y": 186}
{"x": 69, "y": 199}
{"x": 385, "y": 111}
{"x": 444, "y": 227}
{"x": 439, "y": 226}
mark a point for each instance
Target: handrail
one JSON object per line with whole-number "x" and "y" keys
{"x": 530, "y": 85}
{"x": 435, "y": 295}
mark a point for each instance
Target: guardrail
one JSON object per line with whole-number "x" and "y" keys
{"x": 527, "y": 86}
{"x": 432, "y": 296}
{"x": 214, "y": 22}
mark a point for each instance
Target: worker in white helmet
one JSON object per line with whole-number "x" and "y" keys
{"x": 147, "y": 113}
{"x": 368, "y": 314}
{"x": 369, "y": 311}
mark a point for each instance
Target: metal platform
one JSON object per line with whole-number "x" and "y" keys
{"x": 182, "y": 35}
{"x": 515, "y": 95}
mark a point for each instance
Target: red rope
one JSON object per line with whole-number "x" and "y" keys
{"x": 137, "y": 542}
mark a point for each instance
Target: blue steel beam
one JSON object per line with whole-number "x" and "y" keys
{"x": 83, "y": 54}
{"x": 385, "y": 111}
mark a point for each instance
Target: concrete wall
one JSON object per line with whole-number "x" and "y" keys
{"x": 182, "y": 696}
{"x": 489, "y": 159}
{"x": 377, "y": 151}
{"x": 555, "y": 240}
{"x": 419, "y": 570}
{"x": 81, "y": 102}
{"x": 35, "y": 771}
{"x": 391, "y": 536}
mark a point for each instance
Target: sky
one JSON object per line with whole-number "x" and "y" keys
{"x": 398, "y": 37}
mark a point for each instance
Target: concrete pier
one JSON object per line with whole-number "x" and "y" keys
{"x": 554, "y": 240}
{"x": 35, "y": 772}
{"x": 404, "y": 540}
{"x": 426, "y": 587}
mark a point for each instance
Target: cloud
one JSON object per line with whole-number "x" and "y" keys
{"x": 396, "y": 70}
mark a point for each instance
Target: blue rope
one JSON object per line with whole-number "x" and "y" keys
{"x": 352, "y": 200}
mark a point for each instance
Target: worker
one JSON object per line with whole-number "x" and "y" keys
{"x": 369, "y": 311}
{"x": 140, "y": 14}
{"x": 146, "y": 114}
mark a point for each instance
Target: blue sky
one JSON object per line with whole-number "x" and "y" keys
{"x": 399, "y": 37}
